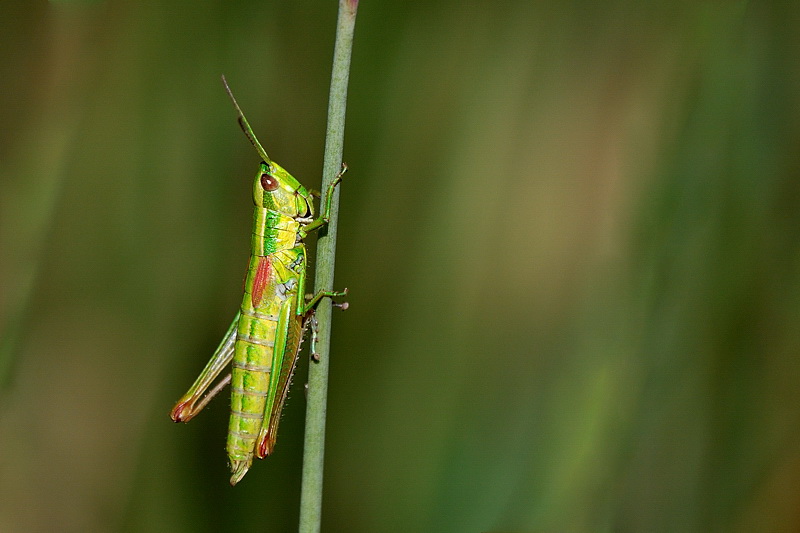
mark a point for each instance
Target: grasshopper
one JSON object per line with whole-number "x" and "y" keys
{"x": 263, "y": 341}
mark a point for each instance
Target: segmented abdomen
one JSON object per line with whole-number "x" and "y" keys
{"x": 250, "y": 380}
{"x": 265, "y": 350}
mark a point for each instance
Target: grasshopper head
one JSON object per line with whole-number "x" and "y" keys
{"x": 274, "y": 188}
{"x": 277, "y": 190}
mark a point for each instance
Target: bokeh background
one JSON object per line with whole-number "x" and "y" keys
{"x": 571, "y": 231}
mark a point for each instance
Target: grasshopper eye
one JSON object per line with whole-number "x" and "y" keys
{"x": 268, "y": 183}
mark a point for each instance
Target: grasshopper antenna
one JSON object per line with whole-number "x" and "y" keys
{"x": 248, "y": 131}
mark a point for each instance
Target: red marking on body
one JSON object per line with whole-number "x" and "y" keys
{"x": 177, "y": 413}
{"x": 260, "y": 280}
{"x": 264, "y": 447}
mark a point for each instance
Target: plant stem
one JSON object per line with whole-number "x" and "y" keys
{"x": 314, "y": 447}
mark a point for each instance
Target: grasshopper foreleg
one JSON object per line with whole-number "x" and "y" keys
{"x": 326, "y": 211}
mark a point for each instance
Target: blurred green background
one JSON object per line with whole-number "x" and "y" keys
{"x": 571, "y": 232}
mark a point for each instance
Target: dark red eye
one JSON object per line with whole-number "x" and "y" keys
{"x": 268, "y": 183}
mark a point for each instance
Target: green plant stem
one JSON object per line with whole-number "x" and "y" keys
{"x": 314, "y": 447}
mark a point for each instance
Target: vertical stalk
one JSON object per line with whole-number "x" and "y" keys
{"x": 314, "y": 447}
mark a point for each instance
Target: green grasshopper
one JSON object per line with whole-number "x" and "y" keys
{"x": 263, "y": 341}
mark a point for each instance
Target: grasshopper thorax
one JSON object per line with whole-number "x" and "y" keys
{"x": 276, "y": 190}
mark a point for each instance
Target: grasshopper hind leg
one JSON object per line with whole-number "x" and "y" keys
{"x": 196, "y": 397}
